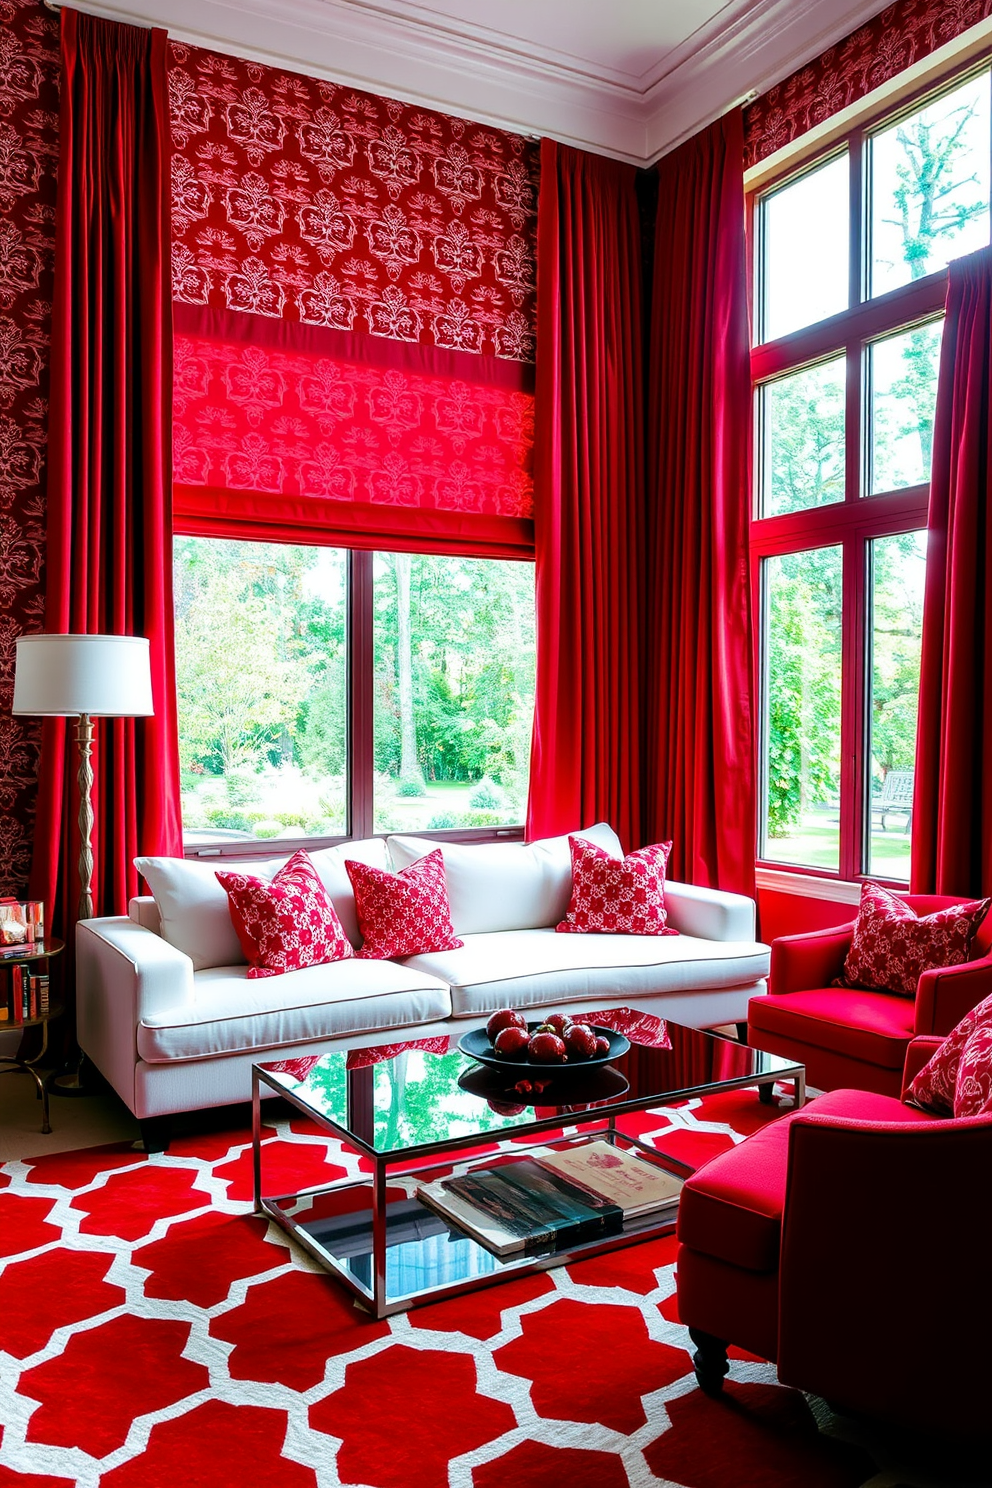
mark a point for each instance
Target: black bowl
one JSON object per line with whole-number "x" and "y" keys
{"x": 477, "y": 1046}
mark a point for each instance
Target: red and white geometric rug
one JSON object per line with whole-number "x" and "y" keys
{"x": 153, "y": 1333}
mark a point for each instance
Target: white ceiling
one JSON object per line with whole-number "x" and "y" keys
{"x": 629, "y": 78}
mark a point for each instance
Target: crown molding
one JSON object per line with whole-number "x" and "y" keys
{"x": 758, "y": 47}
{"x": 476, "y": 72}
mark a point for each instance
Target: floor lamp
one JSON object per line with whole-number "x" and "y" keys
{"x": 84, "y": 677}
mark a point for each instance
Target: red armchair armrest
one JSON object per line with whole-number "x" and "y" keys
{"x": 945, "y": 994}
{"x": 918, "y": 1053}
{"x": 870, "y": 1209}
{"x": 800, "y": 962}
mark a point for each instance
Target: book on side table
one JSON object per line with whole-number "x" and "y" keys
{"x": 559, "y": 1198}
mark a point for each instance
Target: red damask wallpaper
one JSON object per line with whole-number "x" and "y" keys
{"x": 300, "y": 199}
{"x": 896, "y": 38}
{"x": 29, "y": 63}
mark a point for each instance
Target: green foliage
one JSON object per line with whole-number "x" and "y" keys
{"x": 487, "y": 797}
{"x": 411, "y": 788}
{"x": 933, "y": 197}
{"x": 441, "y": 820}
{"x": 804, "y": 637}
{"x": 262, "y": 668}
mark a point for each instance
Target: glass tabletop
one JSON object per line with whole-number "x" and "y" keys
{"x": 425, "y": 1095}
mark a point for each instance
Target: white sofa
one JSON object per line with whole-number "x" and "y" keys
{"x": 168, "y": 1015}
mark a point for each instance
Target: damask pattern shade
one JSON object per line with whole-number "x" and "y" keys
{"x": 353, "y": 425}
{"x": 354, "y": 292}
{"x": 299, "y": 199}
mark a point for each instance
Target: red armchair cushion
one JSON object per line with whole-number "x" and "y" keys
{"x": 958, "y": 1078}
{"x": 731, "y": 1208}
{"x": 873, "y": 1027}
{"x": 892, "y": 946}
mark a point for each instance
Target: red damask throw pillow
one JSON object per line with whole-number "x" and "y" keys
{"x": 892, "y": 946}
{"x": 617, "y": 896}
{"x": 288, "y": 923}
{"x": 405, "y": 913}
{"x": 958, "y": 1079}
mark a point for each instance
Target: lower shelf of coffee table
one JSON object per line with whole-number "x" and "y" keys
{"x": 427, "y": 1257}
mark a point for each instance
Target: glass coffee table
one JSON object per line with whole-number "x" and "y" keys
{"x": 415, "y": 1111}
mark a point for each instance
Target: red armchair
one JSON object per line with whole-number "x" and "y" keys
{"x": 850, "y": 1038}
{"x": 848, "y": 1242}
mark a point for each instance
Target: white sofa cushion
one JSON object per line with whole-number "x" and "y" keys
{"x": 193, "y": 908}
{"x": 531, "y": 968}
{"x": 505, "y": 885}
{"x": 232, "y": 1015}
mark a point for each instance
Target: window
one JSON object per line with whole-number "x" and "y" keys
{"x": 326, "y": 693}
{"x": 454, "y": 691}
{"x": 851, "y": 255}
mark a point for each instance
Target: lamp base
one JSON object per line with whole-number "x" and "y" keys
{"x": 73, "y": 1078}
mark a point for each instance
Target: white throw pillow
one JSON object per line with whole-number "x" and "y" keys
{"x": 505, "y": 885}
{"x": 329, "y": 863}
{"x": 194, "y": 909}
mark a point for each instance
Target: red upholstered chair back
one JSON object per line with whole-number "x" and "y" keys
{"x": 859, "y": 1320}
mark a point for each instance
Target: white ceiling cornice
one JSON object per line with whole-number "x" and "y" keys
{"x": 419, "y": 54}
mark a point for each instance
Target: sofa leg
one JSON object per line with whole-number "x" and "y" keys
{"x": 742, "y": 1032}
{"x": 766, "y": 1093}
{"x": 156, "y": 1133}
{"x": 709, "y": 1361}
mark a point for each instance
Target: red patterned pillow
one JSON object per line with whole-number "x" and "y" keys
{"x": 286, "y": 924}
{"x": 892, "y": 945}
{"x": 617, "y": 896}
{"x": 958, "y": 1078}
{"x": 405, "y": 913}
{"x": 973, "y": 1086}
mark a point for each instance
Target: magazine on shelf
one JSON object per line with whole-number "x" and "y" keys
{"x": 557, "y": 1199}
{"x": 636, "y": 1184}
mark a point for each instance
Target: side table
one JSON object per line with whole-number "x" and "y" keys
{"x": 40, "y": 953}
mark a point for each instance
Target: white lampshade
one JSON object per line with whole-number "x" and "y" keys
{"x": 61, "y": 676}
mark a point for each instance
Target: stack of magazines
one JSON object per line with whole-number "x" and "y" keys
{"x": 555, "y": 1200}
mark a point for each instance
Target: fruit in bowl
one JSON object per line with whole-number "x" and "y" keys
{"x": 559, "y": 1039}
{"x": 580, "y": 1041}
{"x": 546, "y": 1048}
{"x": 504, "y": 1018}
{"x": 512, "y": 1042}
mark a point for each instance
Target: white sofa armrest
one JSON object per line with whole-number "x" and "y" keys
{"x": 123, "y": 973}
{"x": 709, "y": 914}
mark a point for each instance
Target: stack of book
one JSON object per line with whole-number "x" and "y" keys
{"x": 555, "y": 1200}
{"x": 23, "y": 995}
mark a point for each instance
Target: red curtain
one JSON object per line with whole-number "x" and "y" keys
{"x": 588, "y": 482}
{"x": 700, "y": 750}
{"x": 109, "y": 521}
{"x": 952, "y": 817}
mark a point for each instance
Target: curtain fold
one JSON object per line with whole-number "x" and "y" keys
{"x": 109, "y": 519}
{"x": 588, "y": 497}
{"x": 952, "y": 817}
{"x": 699, "y": 752}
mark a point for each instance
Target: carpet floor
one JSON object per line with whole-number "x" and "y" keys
{"x": 153, "y": 1332}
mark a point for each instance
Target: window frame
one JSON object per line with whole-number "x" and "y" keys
{"x": 360, "y": 722}
{"x": 859, "y": 518}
